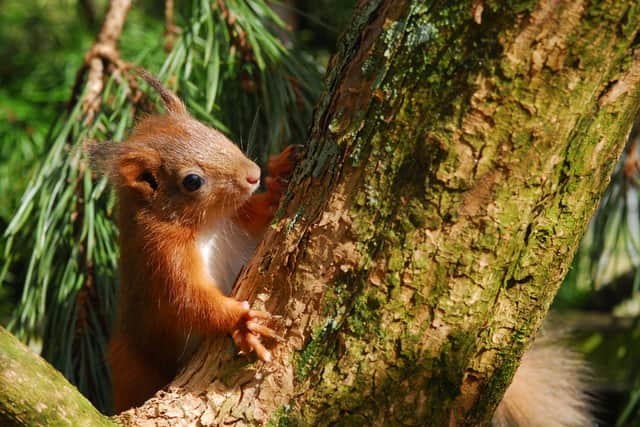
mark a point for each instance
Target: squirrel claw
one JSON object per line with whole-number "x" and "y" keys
{"x": 296, "y": 151}
{"x": 247, "y": 335}
{"x": 247, "y": 342}
{"x": 264, "y": 331}
{"x": 259, "y": 314}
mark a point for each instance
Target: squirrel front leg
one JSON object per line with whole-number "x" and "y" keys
{"x": 202, "y": 307}
{"x": 256, "y": 213}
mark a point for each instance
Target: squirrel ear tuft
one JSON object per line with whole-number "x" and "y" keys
{"x": 101, "y": 156}
{"x": 171, "y": 101}
{"x": 138, "y": 169}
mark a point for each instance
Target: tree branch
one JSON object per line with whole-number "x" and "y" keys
{"x": 171, "y": 30}
{"x": 33, "y": 393}
{"x": 103, "y": 53}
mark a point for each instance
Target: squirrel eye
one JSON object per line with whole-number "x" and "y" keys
{"x": 192, "y": 182}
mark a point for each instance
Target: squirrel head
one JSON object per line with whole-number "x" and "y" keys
{"x": 176, "y": 168}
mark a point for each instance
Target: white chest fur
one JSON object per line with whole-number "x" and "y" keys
{"x": 225, "y": 248}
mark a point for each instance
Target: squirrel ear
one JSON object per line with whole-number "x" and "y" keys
{"x": 133, "y": 167}
{"x": 171, "y": 101}
{"x": 138, "y": 170}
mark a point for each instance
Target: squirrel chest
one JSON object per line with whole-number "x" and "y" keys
{"x": 225, "y": 248}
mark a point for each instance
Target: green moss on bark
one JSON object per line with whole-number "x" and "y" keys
{"x": 475, "y": 154}
{"x": 32, "y": 393}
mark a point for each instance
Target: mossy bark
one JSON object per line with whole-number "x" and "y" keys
{"x": 33, "y": 393}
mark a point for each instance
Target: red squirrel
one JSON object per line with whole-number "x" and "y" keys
{"x": 188, "y": 222}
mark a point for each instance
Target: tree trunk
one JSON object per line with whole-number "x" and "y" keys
{"x": 452, "y": 167}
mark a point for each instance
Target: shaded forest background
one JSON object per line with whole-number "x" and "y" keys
{"x": 261, "y": 83}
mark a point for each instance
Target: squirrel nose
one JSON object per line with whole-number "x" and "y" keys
{"x": 252, "y": 174}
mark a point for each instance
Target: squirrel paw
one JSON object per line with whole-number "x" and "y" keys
{"x": 281, "y": 165}
{"x": 247, "y": 336}
{"x": 257, "y": 212}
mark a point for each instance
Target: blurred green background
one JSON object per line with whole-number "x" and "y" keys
{"x": 57, "y": 254}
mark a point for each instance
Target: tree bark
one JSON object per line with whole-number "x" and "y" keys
{"x": 454, "y": 162}
{"x": 33, "y": 393}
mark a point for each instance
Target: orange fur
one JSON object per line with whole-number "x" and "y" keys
{"x": 256, "y": 214}
{"x": 134, "y": 379}
{"x": 168, "y": 290}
